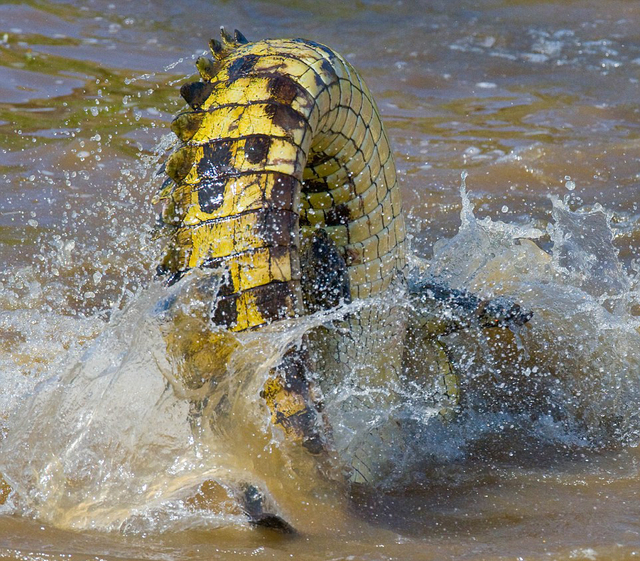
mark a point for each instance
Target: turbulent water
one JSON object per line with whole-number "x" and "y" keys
{"x": 535, "y": 103}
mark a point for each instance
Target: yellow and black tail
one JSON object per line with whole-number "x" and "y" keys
{"x": 283, "y": 178}
{"x": 282, "y": 140}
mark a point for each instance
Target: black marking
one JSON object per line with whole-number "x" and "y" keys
{"x": 337, "y": 215}
{"x": 245, "y": 65}
{"x": 242, "y": 66}
{"x": 285, "y": 117}
{"x": 226, "y": 312}
{"x": 276, "y": 252}
{"x": 216, "y": 159}
{"x": 280, "y": 114}
{"x": 273, "y": 522}
{"x": 227, "y": 39}
{"x": 254, "y": 503}
{"x": 325, "y": 279}
{"x": 318, "y": 158}
{"x": 171, "y": 277}
{"x": 216, "y": 48}
{"x": 226, "y": 287}
{"x": 196, "y": 93}
{"x": 284, "y": 192}
{"x": 256, "y": 148}
{"x": 318, "y": 47}
{"x": 211, "y": 194}
{"x": 295, "y": 371}
{"x": 318, "y": 80}
{"x": 304, "y": 221}
{"x": 226, "y": 283}
{"x": 275, "y": 301}
{"x": 278, "y": 227}
{"x": 326, "y": 67}
{"x": 283, "y": 89}
{"x": 315, "y": 186}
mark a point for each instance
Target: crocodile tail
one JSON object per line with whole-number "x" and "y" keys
{"x": 281, "y": 138}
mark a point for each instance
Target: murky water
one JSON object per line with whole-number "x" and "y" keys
{"x": 536, "y": 100}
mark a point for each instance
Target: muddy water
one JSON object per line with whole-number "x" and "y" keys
{"x": 537, "y": 101}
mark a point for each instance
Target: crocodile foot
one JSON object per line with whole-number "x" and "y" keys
{"x": 253, "y": 502}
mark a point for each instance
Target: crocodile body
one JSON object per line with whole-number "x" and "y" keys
{"x": 283, "y": 178}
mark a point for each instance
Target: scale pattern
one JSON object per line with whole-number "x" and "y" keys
{"x": 282, "y": 140}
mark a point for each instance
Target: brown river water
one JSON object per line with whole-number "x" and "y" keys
{"x": 536, "y": 100}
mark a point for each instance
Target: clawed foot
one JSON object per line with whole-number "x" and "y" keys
{"x": 502, "y": 312}
{"x": 442, "y": 310}
{"x": 253, "y": 502}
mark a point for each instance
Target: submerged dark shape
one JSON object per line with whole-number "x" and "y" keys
{"x": 465, "y": 308}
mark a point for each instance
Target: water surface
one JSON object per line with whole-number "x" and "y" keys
{"x": 536, "y": 100}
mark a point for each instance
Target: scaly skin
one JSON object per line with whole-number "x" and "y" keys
{"x": 285, "y": 178}
{"x": 284, "y": 138}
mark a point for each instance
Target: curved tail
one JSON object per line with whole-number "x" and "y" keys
{"x": 282, "y": 139}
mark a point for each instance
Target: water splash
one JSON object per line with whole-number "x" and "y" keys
{"x": 101, "y": 434}
{"x": 578, "y": 360}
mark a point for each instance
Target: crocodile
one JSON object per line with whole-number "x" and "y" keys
{"x": 283, "y": 180}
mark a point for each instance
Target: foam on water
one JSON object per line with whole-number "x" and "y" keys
{"x": 100, "y": 432}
